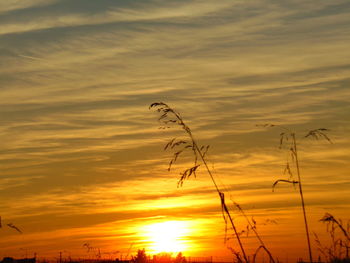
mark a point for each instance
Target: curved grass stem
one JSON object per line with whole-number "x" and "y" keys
{"x": 295, "y": 152}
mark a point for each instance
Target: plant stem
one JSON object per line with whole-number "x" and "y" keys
{"x": 219, "y": 192}
{"x": 215, "y": 184}
{"x": 295, "y": 152}
{"x": 196, "y": 151}
{"x": 342, "y": 229}
{"x": 257, "y": 235}
{"x": 223, "y": 203}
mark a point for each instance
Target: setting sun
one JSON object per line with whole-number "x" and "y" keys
{"x": 169, "y": 236}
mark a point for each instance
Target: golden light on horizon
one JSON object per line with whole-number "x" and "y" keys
{"x": 167, "y": 236}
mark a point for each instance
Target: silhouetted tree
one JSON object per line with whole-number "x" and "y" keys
{"x": 141, "y": 257}
{"x": 180, "y": 258}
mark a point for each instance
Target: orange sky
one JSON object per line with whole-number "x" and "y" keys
{"x": 82, "y": 157}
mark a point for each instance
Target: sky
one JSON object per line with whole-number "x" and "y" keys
{"x": 81, "y": 156}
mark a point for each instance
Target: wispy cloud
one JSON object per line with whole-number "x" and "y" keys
{"x": 143, "y": 12}
{"x": 12, "y": 5}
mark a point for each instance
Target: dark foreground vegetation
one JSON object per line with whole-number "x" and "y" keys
{"x": 140, "y": 257}
{"x": 337, "y": 251}
{"x": 143, "y": 257}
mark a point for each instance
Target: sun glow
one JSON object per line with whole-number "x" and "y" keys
{"x": 169, "y": 236}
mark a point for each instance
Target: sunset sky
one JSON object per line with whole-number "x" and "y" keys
{"x": 81, "y": 157}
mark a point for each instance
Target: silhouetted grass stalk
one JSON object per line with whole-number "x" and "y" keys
{"x": 198, "y": 152}
{"x": 253, "y": 227}
{"x": 330, "y": 218}
{"x": 336, "y": 242}
{"x": 295, "y": 151}
{"x": 316, "y": 134}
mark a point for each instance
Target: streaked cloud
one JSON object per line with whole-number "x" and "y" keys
{"x": 155, "y": 10}
{"x": 13, "y": 5}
